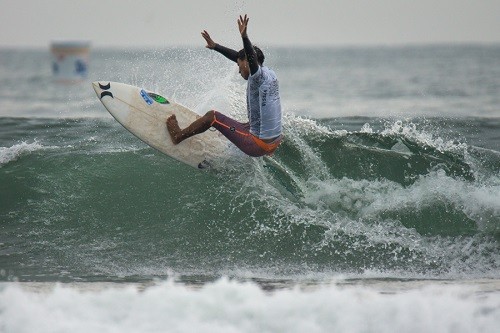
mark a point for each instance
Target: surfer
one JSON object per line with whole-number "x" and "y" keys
{"x": 261, "y": 135}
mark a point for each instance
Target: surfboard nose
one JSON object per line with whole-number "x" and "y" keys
{"x": 101, "y": 88}
{"x": 95, "y": 85}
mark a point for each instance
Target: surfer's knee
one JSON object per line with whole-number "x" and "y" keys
{"x": 210, "y": 115}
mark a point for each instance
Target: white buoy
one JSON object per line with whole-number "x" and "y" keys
{"x": 70, "y": 60}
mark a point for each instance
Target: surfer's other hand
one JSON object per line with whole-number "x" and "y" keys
{"x": 208, "y": 39}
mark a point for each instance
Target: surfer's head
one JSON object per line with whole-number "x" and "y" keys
{"x": 243, "y": 61}
{"x": 260, "y": 55}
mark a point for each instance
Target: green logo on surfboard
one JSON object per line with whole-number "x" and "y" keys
{"x": 158, "y": 99}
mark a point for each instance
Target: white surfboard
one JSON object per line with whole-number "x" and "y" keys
{"x": 144, "y": 114}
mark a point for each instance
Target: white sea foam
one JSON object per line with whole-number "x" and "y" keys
{"x": 410, "y": 131}
{"x": 229, "y": 306}
{"x": 9, "y": 154}
{"x": 364, "y": 198}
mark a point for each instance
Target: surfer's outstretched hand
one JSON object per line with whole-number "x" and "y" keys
{"x": 242, "y": 25}
{"x": 210, "y": 42}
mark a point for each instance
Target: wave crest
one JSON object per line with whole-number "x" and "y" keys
{"x": 10, "y": 154}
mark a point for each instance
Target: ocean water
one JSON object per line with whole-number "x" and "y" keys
{"x": 379, "y": 212}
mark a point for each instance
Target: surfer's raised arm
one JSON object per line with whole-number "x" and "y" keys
{"x": 225, "y": 51}
{"x": 247, "y": 45}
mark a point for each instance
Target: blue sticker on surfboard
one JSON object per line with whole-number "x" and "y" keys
{"x": 146, "y": 97}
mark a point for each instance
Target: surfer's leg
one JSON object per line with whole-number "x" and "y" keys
{"x": 200, "y": 125}
{"x": 239, "y": 134}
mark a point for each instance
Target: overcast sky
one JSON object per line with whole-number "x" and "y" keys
{"x": 162, "y": 23}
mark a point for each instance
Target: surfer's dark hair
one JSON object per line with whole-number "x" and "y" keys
{"x": 260, "y": 55}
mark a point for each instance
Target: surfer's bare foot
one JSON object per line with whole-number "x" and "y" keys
{"x": 174, "y": 129}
